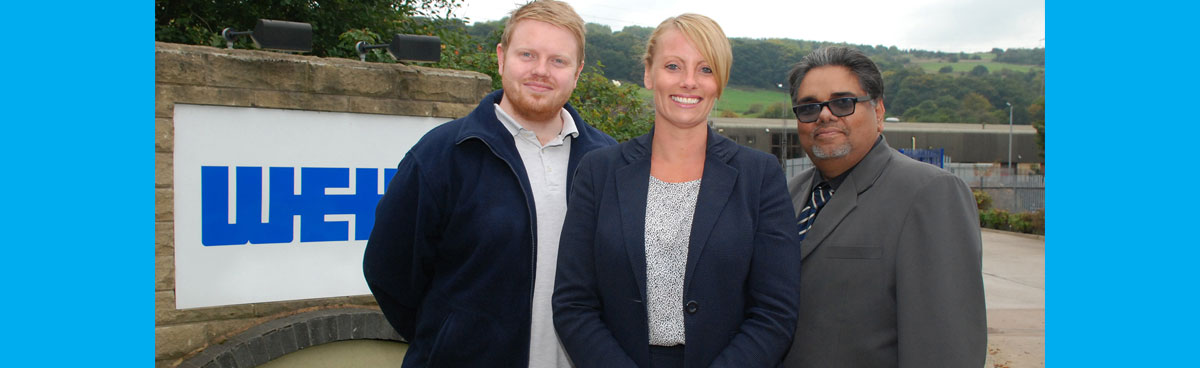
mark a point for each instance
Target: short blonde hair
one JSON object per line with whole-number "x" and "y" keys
{"x": 706, "y": 35}
{"x": 557, "y": 13}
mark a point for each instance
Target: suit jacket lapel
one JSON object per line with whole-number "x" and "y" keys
{"x": 633, "y": 184}
{"x": 830, "y": 216}
{"x": 716, "y": 186}
{"x": 845, "y": 198}
{"x": 804, "y": 182}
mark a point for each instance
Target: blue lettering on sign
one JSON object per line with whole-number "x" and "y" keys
{"x": 311, "y": 205}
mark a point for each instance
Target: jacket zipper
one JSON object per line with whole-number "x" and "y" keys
{"x": 532, "y": 221}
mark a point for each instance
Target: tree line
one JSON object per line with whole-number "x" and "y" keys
{"x": 978, "y": 96}
{"x": 911, "y": 94}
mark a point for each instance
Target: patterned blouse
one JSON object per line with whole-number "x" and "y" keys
{"x": 669, "y": 211}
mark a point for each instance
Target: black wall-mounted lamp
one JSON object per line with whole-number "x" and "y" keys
{"x": 425, "y": 49}
{"x": 278, "y": 35}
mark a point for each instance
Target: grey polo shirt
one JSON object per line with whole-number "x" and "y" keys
{"x": 546, "y": 167}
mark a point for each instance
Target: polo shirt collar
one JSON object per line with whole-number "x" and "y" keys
{"x": 515, "y": 128}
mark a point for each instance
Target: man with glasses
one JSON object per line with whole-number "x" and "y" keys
{"x": 891, "y": 267}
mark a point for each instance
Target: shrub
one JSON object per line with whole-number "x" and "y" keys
{"x": 615, "y": 110}
{"x": 777, "y": 110}
{"x": 754, "y": 109}
{"x": 1019, "y": 223}
{"x": 1024, "y": 222}
{"x": 982, "y": 200}
{"x": 1036, "y": 222}
{"x": 994, "y": 219}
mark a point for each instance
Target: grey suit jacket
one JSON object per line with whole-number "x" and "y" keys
{"x": 891, "y": 271}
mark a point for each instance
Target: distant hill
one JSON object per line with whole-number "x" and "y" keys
{"x": 921, "y": 85}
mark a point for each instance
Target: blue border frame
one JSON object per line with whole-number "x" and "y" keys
{"x": 78, "y": 201}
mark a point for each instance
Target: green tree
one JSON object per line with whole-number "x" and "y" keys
{"x": 1038, "y": 111}
{"x": 612, "y": 108}
{"x": 979, "y": 71}
{"x": 977, "y": 109}
{"x": 488, "y": 31}
{"x": 199, "y": 22}
{"x": 620, "y": 52}
{"x": 763, "y": 63}
{"x": 892, "y": 79}
{"x": 946, "y": 70}
{"x": 1036, "y": 56}
{"x": 919, "y": 88}
{"x": 943, "y": 109}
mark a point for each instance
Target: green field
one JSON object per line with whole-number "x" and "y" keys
{"x": 964, "y": 66}
{"x": 739, "y": 99}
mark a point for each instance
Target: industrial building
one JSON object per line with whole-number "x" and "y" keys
{"x": 963, "y": 143}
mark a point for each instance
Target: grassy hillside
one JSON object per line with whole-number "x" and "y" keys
{"x": 738, "y": 99}
{"x": 963, "y": 66}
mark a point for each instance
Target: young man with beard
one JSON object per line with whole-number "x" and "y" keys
{"x": 891, "y": 257}
{"x": 463, "y": 253}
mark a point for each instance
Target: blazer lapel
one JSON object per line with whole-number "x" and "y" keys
{"x": 845, "y": 198}
{"x": 633, "y": 184}
{"x": 831, "y": 215}
{"x": 800, "y": 186}
{"x": 716, "y": 186}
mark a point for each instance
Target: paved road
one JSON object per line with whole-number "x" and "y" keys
{"x": 1014, "y": 281}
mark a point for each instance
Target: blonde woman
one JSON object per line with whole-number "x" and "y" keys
{"x": 679, "y": 247}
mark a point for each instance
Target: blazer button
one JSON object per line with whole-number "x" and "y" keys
{"x": 692, "y": 307}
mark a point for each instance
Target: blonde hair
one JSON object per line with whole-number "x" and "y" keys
{"x": 706, "y": 35}
{"x": 557, "y": 13}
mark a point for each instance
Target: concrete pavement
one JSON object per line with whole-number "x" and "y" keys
{"x": 1014, "y": 281}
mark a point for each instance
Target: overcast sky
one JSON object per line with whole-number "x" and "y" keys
{"x": 936, "y": 25}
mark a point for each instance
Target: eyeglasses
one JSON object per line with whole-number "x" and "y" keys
{"x": 808, "y": 113}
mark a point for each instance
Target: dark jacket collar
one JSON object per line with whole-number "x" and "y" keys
{"x": 864, "y": 174}
{"x": 632, "y": 181}
{"x": 719, "y": 147}
{"x": 482, "y": 122}
{"x": 483, "y": 125}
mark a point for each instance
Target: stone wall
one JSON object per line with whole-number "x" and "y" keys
{"x": 247, "y": 78}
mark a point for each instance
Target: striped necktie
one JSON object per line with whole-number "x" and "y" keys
{"x": 820, "y": 195}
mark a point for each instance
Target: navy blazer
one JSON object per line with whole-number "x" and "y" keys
{"x": 741, "y": 286}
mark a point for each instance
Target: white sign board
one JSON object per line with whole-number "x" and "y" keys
{"x": 275, "y": 205}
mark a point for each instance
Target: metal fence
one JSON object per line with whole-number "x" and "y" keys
{"x": 1012, "y": 193}
{"x": 1009, "y": 192}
